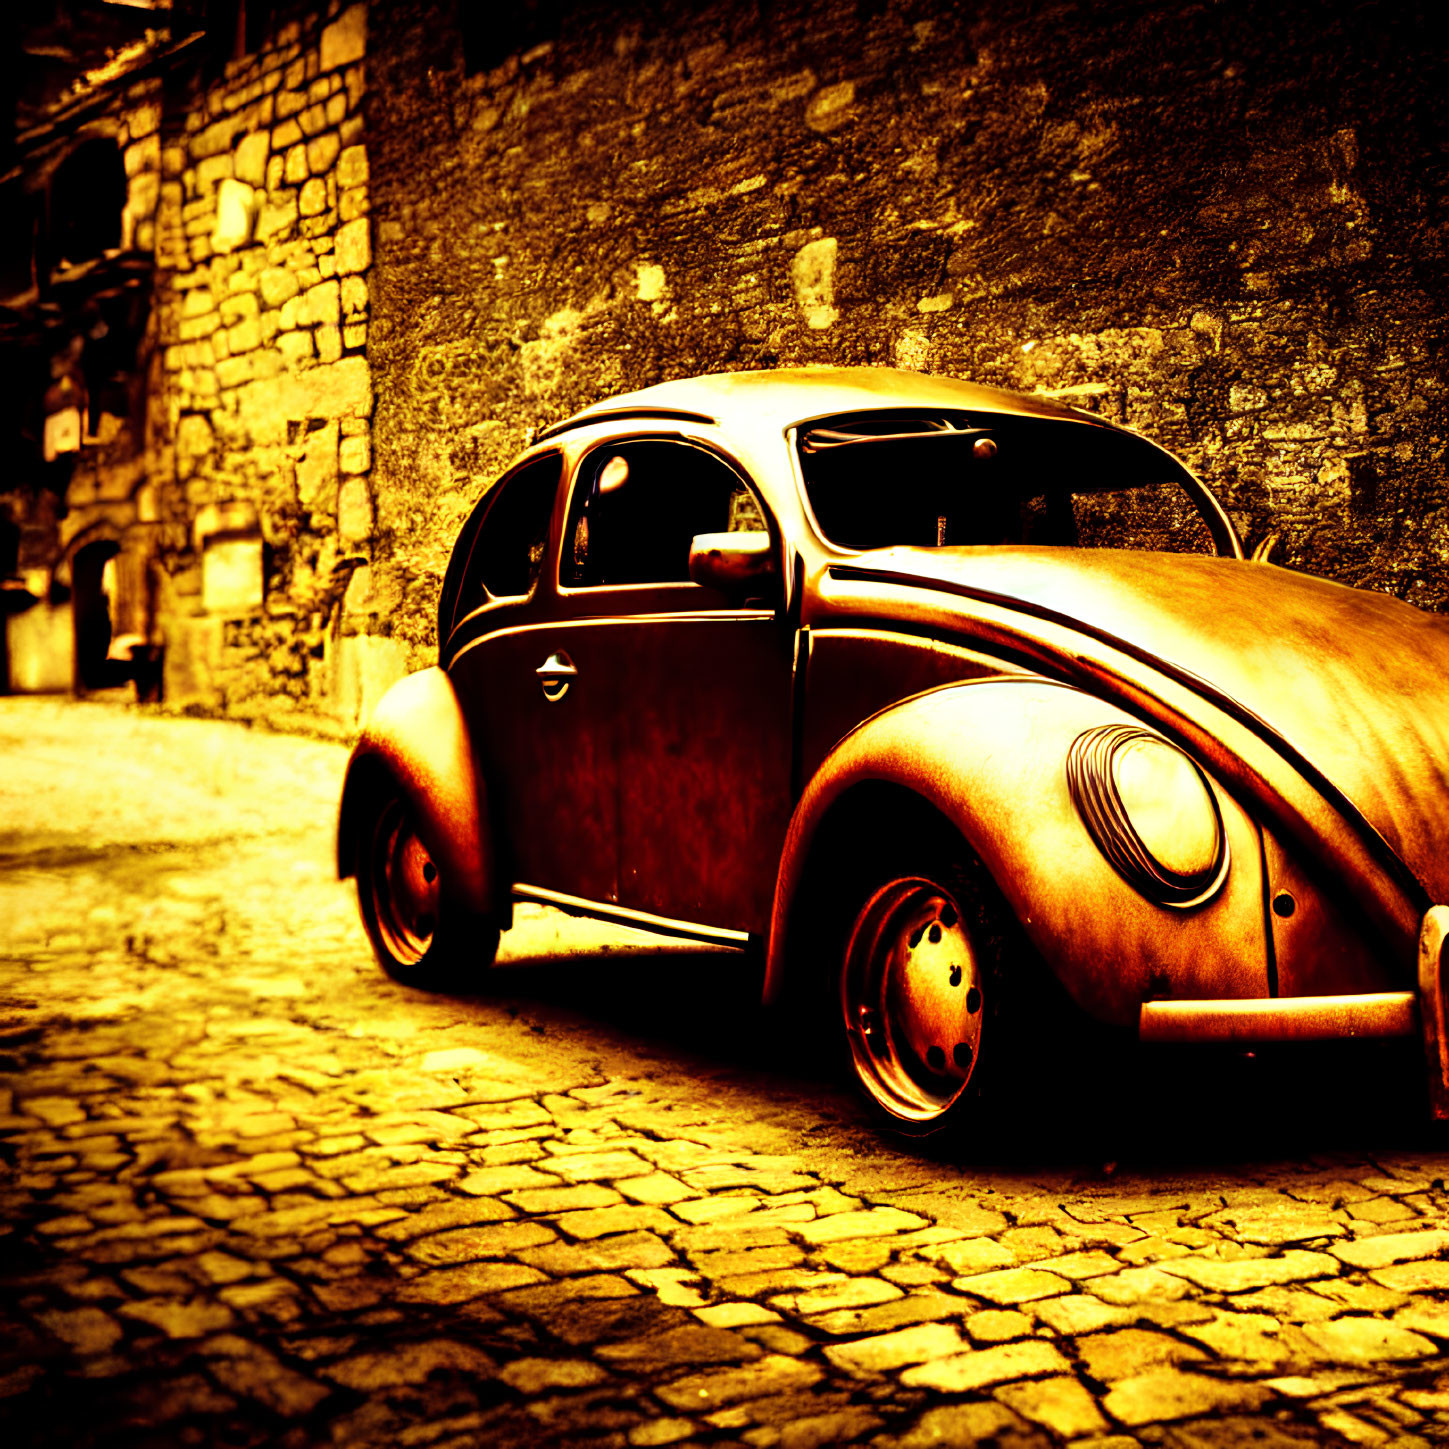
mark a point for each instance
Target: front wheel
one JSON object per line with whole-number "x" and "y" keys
{"x": 914, "y": 989}
{"x": 419, "y": 933}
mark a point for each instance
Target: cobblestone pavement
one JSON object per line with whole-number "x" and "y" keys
{"x": 256, "y": 1193}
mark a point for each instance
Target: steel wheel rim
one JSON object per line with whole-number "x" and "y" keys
{"x": 402, "y": 883}
{"x": 912, "y": 1000}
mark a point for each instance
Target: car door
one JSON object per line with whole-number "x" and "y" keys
{"x": 698, "y": 683}
{"x": 544, "y": 741}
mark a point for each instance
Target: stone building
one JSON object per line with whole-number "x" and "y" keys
{"x": 365, "y": 251}
{"x": 184, "y": 331}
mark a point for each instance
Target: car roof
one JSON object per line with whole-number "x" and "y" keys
{"x": 781, "y": 398}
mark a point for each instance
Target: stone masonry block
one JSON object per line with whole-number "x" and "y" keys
{"x": 144, "y": 155}
{"x": 294, "y": 169}
{"x": 352, "y": 204}
{"x": 352, "y": 167}
{"x": 277, "y": 216}
{"x": 322, "y": 152}
{"x": 197, "y": 302}
{"x": 234, "y": 371}
{"x": 211, "y": 172}
{"x": 354, "y": 247}
{"x": 295, "y": 348}
{"x": 354, "y": 455}
{"x": 313, "y": 120}
{"x": 192, "y": 328}
{"x": 354, "y": 510}
{"x": 144, "y": 120}
{"x": 354, "y": 297}
{"x": 322, "y": 304}
{"x": 277, "y": 285}
{"x": 329, "y": 343}
{"x": 236, "y": 211}
{"x": 249, "y": 161}
{"x": 314, "y": 197}
{"x": 213, "y": 140}
{"x": 245, "y": 336}
{"x": 317, "y": 469}
{"x": 345, "y": 40}
{"x": 236, "y": 307}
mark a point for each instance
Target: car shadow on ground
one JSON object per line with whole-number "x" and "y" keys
{"x": 1076, "y": 1099}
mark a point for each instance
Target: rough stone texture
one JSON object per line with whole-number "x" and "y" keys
{"x": 254, "y": 1192}
{"x": 1220, "y": 225}
{"x": 258, "y": 395}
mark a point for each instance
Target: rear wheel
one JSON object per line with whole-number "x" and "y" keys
{"x": 419, "y": 932}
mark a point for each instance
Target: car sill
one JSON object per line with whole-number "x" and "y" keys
{"x": 1282, "y": 1018}
{"x": 623, "y": 916}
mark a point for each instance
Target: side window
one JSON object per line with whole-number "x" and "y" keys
{"x": 508, "y": 553}
{"x": 637, "y": 507}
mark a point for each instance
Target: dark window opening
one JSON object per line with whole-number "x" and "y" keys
{"x": 17, "y": 240}
{"x": 9, "y": 548}
{"x": 925, "y": 480}
{"x": 638, "y": 506}
{"x": 9, "y": 82}
{"x": 259, "y": 24}
{"x": 491, "y": 33}
{"x": 87, "y": 197}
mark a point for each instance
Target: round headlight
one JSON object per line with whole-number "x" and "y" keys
{"x": 1151, "y": 812}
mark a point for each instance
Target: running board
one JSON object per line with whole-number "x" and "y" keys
{"x": 1281, "y": 1018}
{"x": 639, "y": 920}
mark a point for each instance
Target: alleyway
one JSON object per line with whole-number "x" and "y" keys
{"x": 255, "y": 1193}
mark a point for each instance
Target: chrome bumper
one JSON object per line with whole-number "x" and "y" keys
{"x": 1328, "y": 1018}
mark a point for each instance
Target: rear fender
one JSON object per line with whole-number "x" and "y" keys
{"x": 417, "y": 737}
{"x": 990, "y": 756}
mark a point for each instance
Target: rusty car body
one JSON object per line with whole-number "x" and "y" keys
{"x": 907, "y": 681}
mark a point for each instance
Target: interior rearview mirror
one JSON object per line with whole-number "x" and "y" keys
{"x": 739, "y": 565}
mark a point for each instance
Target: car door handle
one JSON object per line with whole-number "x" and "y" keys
{"x": 555, "y": 675}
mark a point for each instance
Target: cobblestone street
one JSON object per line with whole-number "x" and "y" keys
{"x": 256, "y": 1193}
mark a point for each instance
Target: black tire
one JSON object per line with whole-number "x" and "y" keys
{"x": 927, "y": 957}
{"x": 419, "y": 932}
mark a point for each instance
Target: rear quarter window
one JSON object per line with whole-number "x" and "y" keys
{"x": 500, "y": 553}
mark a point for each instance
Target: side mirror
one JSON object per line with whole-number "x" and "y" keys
{"x": 739, "y": 565}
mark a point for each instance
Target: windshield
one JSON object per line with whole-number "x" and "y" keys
{"x": 932, "y": 479}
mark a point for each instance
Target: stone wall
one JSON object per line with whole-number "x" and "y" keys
{"x": 1221, "y": 224}
{"x": 261, "y": 427}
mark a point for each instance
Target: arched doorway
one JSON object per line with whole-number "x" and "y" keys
{"x": 92, "y": 595}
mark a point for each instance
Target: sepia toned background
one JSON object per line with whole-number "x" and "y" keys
{"x": 282, "y": 286}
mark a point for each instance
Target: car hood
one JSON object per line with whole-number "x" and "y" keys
{"x": 1357, "y": 682}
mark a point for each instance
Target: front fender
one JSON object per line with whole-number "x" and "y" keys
{"x": 418, "y": 737}
{"x": 990, "y": 756}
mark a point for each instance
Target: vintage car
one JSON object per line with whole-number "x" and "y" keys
{"x": 923, "y": 688}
